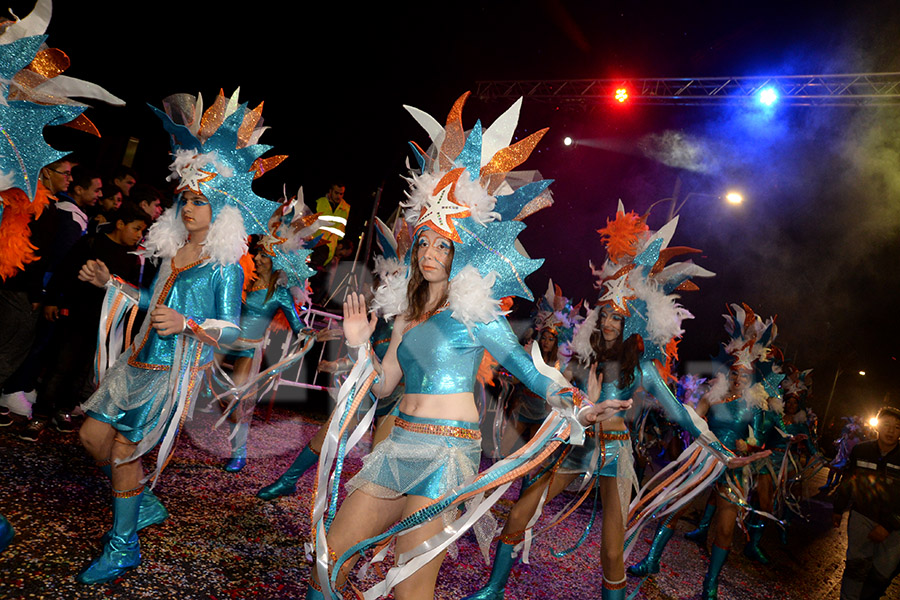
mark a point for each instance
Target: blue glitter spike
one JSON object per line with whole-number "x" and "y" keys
{"x": 419, "y": 158}
{"x": 636, "y": 322}
{"x": 294, "y": 266}
{"x": 511, "y": 205}
{"x": 492, "y": 249}
{"x": 17, "y": 55}
{"x": 470, "y": 157}
{"x": 237, "y": 189}
{"x": 23, "y": 151}
{"x": 650, "y": 255}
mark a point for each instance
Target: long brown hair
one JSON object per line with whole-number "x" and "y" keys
{"x": 620, "y": 360}
{"x": 417, "y": 288}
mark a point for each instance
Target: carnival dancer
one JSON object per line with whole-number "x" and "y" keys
{"x": 554, "y": 321}
{"x": 623, "y": 347}
{"x": 386, "y": 265}
{"x": 732, "y": 407}
{"x": 446, "y": 315}
{"x": 852, "y": 434}
{"x": 34, "y": 94}
{"x": 194, "y": 306}
{"x": 278, "y": 284}
{"x": 785, "y": 426}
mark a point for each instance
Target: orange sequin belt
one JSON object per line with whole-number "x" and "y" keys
{"x": 433, "y": 429}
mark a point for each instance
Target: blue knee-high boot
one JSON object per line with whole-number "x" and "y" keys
{"x": 699, "y": 535}
{"x": 650, "y": 564}
{"x": 313, "y": 594}
{"x": 752, "y": 549}
{"x": 613, "y": 590}
{"x": 717, "y": 559}
{"x": 6, "y": 533}
{"x": 122, "y": 551}
{"x": 496, "y": 585}
{"x": 287, "y": 483}
{"x": 238, "y": 447}
{"x": 152, "y": 511}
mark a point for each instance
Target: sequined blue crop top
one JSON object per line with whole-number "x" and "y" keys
{"x": 439, "y": 356}
{"x": 647, "y": 376}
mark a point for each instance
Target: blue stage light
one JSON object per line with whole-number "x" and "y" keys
{"x": 768, "y": 96}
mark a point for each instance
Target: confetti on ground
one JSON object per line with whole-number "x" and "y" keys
{"x": 221, "y": 542}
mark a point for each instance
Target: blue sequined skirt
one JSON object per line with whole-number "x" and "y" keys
{"x": 420, "y": 457}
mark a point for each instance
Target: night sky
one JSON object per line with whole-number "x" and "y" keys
{"x": 816, "y": 242}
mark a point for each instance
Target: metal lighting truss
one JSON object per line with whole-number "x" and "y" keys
{"x": 798, "y": 90}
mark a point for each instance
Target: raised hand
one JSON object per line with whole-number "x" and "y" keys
{"x": 94, "y": 272}
{"x": 358, "y": 327}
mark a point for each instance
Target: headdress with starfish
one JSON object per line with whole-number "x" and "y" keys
{"x": 465, "y": 191}
{"x": 638, "y": 281}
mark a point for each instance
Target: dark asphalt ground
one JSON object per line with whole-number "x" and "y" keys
{"x": 222, "y": 542}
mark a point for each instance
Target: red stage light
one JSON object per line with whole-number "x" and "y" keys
{"x": 621, "y": 95}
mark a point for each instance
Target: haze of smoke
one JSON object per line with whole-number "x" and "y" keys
{"x": 679, "y": 150}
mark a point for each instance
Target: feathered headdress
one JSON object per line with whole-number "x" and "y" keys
{"x": 637, "y": 281}
{"x": 288, "y": 241}
{"x": 465, "y": 190}
{"x": 217, "y": 155}
{"x": 750, "y": 347}
{"x": 33, "y": 95}
{"x": 556, "y": 313}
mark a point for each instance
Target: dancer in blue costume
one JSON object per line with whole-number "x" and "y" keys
{"x": 785, "y": 429}
{"x": 194, "y": 306}
{"x": 554, "y": 321}
{"x": 635, "y": 311}
{"x": 280, "y": 260}
{"x": 733, "y": 408}
{"x": 286, "y": 484}
{"x": 446, "y": 315}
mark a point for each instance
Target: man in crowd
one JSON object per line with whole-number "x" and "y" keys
{"x": 871, "y": 492}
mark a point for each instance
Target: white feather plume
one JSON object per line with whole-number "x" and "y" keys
{"x": 757, "y": 396}
{"x": 718, "y": 389}
{"x": 165, "y": 236}
{"x": 387, "y": 267}
{"x": 776, "y": 405}
{"x": 470, "y": 297}
{"x": 581, "y": 341}
{"x": 226, "y": 241}
{"x": 390, "y": 297}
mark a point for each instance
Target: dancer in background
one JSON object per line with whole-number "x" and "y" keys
{"x": 624, "y": 346}
{"x": 732, "y": 407}
{"x": 194, "y": 305}
{"x": 278, "y": 282}
{"x": 554, "y": 321}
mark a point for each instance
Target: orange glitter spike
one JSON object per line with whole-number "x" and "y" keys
{"x": 49, "y": 62}
{"x": 668, "y": 254}
{"x": 251, "y": 118}
{"x": 454, "y": 135}
{"x": 82, "y": 123}
{"x": 507, "y": 159}
{"x": 261, "y": 166}
{"x": 687, "y": 286}
{"x": 213, "y": 117}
